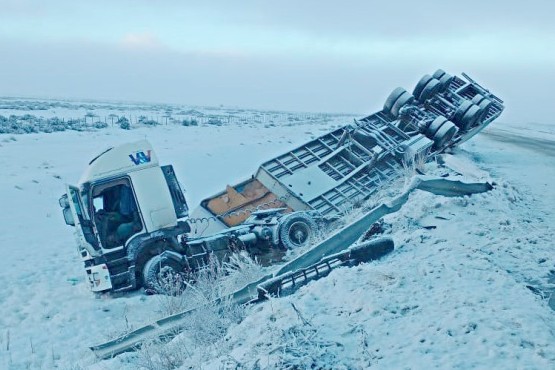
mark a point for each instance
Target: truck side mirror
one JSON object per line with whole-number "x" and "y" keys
{"x": 64, "y": 203}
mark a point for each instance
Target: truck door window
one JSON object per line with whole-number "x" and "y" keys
{"x": 116, "y": 213}
{"x": 98, "y": 203}
{"x": 85, "y": 225}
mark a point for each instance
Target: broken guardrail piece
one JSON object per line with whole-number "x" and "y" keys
{"x": 450, "y": 188}
{"x": 287, "y": 283}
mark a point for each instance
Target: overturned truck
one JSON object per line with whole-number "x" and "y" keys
{"x": 133, "y": 223}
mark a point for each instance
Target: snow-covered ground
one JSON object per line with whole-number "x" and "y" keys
{"x": 19, "y": 115}
{"x": 460, "y": 291}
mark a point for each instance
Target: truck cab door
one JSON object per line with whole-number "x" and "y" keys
{"x": 83, "y": 225}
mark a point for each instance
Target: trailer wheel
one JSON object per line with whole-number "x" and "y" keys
{"x": 392, "y": 98}
{"x": 404, "y": 99}
{"x": 477, "y": 99}
{"x": 485, "y": 105}
{"x": 431, "y": 88}
{"x": 434, "y": 126}
{"x": 164, "y": 274}
{"x": 420, "y": 85}
{"x": 438, "y": 74}
{"x": 297, "y": 230}
{"x": 461, "y": 110}
{"x": 445, "y": 81}
{"x": 444, "y": 78}
{"x": 444, "y": 135}
{"x": 471, "y": 117}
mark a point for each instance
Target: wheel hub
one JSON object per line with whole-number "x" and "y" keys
{"x": 299, "y": 233}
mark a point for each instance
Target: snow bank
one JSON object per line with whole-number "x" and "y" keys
{"x": 451, "y": 296}
{"x": 457, "y": 292}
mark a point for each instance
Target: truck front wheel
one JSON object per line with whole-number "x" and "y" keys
{"x": 164, "y": 274}
{"x": 297, "y": 230}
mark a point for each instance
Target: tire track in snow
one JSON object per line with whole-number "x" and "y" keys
{"x": 543, "y": 146}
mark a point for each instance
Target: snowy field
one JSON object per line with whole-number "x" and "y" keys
{"x": 467, "y": 287}
{"x": 20, "y": 116}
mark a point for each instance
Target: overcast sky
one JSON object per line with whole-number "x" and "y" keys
{"x": 291, "y": 55}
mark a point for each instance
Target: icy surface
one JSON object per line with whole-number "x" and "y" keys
{"x": 462, "y": 290}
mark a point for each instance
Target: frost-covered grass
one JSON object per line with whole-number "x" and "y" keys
{"x": 207, "y": 326}
{"x": 451, "y": 296}
{"x": 24, "y": 116}
{"x": 215, "y": 280}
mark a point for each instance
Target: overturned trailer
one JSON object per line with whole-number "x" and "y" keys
{"x": 339, "y": 170}
{"x": 280, "y": 207}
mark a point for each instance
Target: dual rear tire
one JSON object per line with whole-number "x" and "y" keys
{"x": 397, "y": 100}
{"x": 429, "y": 86}
{"x": 441, "y": 131}
{"x": 468, "y": 115}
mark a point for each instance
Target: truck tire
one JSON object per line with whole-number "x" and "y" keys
{"x": 445, "y": 81}
{"x": 485, "y": 105}
{"x": 438, "y": 74}
{"x": 404, "y": 99}
{"x": 477, "y": 99}
{"x": 434, "y": 126}
{"x": 392, "y": 98}
{"x": 297, "y": 230}
{"x": 444, "y": 78}
{"x": 164, "y": 274}
{"x": 461, "y": 110}
{"x": 470, "y": 118}
{"x": 420, "y": 85}
{"x": 432, "y": 88}
{"x": 444, "y": 135}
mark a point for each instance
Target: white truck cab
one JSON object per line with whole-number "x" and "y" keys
{"x": 132, "y": 225}
{"x": 123, "y": 196}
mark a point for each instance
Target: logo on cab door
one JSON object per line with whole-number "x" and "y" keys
{"x": 140, "y": 157}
